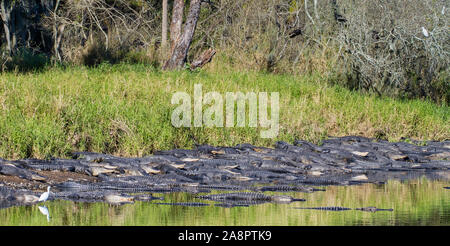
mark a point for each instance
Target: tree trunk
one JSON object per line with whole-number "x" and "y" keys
{"x": 22, "y": 25}
{"x": 181, "y": 47}
{"x": 6, "y": 8}
{"x": 177, "y": 21}
{"x": 204, "y": 58}
{"x": 57, "y": 33}
{"x": 164, "y": 28}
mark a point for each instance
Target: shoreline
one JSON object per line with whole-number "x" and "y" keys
{"x": 299, "y": 167}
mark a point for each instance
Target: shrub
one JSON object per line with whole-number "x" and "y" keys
{"x": 25, "y": 60}
{"x": 387, "y": 51}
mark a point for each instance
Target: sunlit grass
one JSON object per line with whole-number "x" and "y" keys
{"x": 125, "y": 110}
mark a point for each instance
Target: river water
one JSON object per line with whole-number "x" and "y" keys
{"x": 414, "y": 202}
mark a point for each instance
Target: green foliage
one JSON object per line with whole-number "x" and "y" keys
{"x": 25, "y": 60}
{"x": 125, "y": 110}
{"x": 97, "y": 54}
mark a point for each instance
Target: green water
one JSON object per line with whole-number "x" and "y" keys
{"x": 415, "y": 202}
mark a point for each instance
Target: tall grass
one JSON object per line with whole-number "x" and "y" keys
{"x": 126, "y": 110}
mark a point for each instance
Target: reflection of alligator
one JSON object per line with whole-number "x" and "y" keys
{"x": 367, "y": 209}
{"x": 239, "y": 203}
{"x": 374, "y": 209}
{"x": 231, "y": 205}
{"x": 250, "y": 196}
{"x": 328, "y": 208}
{"x": 187, "y": 204}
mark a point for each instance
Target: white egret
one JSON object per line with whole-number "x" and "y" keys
{"x": 45, "y": 195}
{"x": 443, "y": 10}
{"x": 425, "y": 32}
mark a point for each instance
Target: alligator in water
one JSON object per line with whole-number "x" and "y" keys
{"x": 107, "y": 196}
{"x": 374, "y": 209}
{"x": 16, "y": 197}
{"x": 250, "y": 196}
{"x": 285, "y": 188}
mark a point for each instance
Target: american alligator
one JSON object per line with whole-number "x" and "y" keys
{"x": 348, "y": 160}
{"x": 146, "y": 197}
{"x": 95, "y": 196}
{"x": 285, "y": 188}
{"x": 10, "y": 169}
{"x": 123, "y": 187}
{"x": 446, "y": 187}
{"x": 86, "y": 196}
{"x": 118, "y": 198}
{"x": 250, "y": 196}
{"x": 224, "y": 187}
{"x": 101, "y": 195}
{"x": 236, "y": 196}
{"x": 319, "y": 181}
{"x": 11, "y": 197}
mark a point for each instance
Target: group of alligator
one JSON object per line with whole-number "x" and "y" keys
{"x": 297, "y": 167}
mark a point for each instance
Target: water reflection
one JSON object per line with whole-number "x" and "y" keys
{"x": 415, "y": 202}
{"x": 365, "y": 209}
{"x": 44, "y": 211}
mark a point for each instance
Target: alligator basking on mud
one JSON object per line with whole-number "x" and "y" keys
{"x": 298, "y": 167}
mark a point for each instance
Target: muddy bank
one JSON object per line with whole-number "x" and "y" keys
{"x": 300, "y": 166}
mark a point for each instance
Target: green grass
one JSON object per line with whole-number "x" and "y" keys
{"x": 126, "y": 110}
